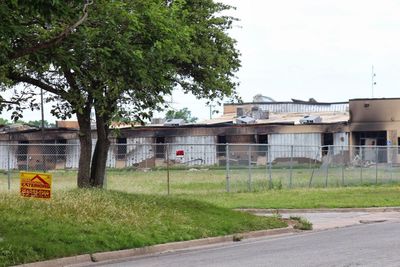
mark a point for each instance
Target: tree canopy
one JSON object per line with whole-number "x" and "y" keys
{"x": 124, "y": 60}
{"x": 183, "y": 113}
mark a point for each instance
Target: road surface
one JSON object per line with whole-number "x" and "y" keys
{"x": 372, "y": 244}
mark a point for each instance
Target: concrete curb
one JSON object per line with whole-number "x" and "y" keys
{"x": 277, "y": 211}
{"x": 156, "y": 249}
{"x": 86, "y": 258}
{"x": 103, "y": 256}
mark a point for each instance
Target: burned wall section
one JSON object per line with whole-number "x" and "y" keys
{"x": 375, "y": 122}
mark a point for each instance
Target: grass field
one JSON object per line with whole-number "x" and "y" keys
{"x": 210, "y": 185}
{"x": 86, "y": 221}
{"x": 344, "y": 197}
{"x": 204, "y": 181}
{"x": 136, "y": 210}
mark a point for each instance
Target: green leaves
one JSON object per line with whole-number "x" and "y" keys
{"x": 183, "y": 113}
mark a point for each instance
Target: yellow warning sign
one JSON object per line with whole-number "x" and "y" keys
{"x": 35, "y": 185}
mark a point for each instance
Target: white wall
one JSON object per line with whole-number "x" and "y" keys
{"x": 305, "y": 145}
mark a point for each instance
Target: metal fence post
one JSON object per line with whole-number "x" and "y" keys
{"x": 228, "y": 186}
{"x": 327, "y": 167}
{"x": 313, "y": 168}
{"x": 27, "y": 160}
{"x": 168, "y": 182}
{"x": 105, "y": 180}
{"x": 269, "y": 166}
{"x": 376, "y": 164}
{"x": 291, "y": 166}
{"x": 361, "y": 164}
{"x": 8, "y": 167}
{"x": 249, "y": 167}
{"x": 343, "y": 163}
{"x": 392, "y": 151}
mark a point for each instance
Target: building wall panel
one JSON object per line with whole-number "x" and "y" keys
{"x": 72, "y": 151}
{"x": 303, "y": 108}
{"x": 8, "y": 152}
{"x": 199, "y": 150}
{"x": 304, "y": 145}
{"x": 139, "y": 150}
{"x": 340, "y": 142}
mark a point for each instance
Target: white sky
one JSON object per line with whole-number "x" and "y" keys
{"x": 311, "y": 48}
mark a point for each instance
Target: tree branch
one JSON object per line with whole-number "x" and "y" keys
{"x": 29, "y": 80}
{"x": 29, "y": 50}
{"x": 69, "y": 76}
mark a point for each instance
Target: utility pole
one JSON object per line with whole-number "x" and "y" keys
{"x": 211, "y": 109}
{"x": 373, "y": 83}
{"x": 44, "y": 148}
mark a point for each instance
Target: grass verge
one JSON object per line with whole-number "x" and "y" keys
{"x": 87, "y": 221}
{"x": 343, "y": 197}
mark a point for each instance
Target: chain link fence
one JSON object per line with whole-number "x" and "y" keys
{"x": 205, "y": 168}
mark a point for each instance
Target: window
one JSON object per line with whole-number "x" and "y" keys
{"x": 160, "y": 147}
{"x": 398, "y": 147}
{"x": 327, "y": 140}
{"x": 60, "y": 149}
{"x": 121, "y": 148}
{"x": 22, "y": 150}
{"x": 262, "y": 149}
{"x": 221, "y": 147}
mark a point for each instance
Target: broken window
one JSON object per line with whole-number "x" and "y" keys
{"x": 121, "y": 148}
{"x": 262, "y": 149}
{"x": 160, "y": 147}
{"x": 327, "y": 140}
{"x": 221, "y": 147}
{"x": 22, "y": 150}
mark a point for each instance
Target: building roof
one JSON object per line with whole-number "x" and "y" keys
{"x": 327, "y": 117}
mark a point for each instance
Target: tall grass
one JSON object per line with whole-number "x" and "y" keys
{"x": 86, "y": 221}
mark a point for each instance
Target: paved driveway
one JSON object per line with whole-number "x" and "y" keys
{"x": 328, "y": 220}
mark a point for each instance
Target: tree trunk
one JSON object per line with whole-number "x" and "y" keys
{"x": 99, "y": 160}
{"x": 85, "y": 138}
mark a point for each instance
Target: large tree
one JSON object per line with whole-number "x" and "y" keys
{"x": 125, "y": 59}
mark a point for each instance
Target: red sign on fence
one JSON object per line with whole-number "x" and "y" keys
{"x": 180, "y": 153}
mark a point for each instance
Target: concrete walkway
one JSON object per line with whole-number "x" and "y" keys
{"x": 328, "y": 219}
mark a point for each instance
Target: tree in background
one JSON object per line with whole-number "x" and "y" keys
{"x": 124, "y": 60}
{"x": 4, "y": 122}
{"x": 38, "y": 124}
{"x": 35, "y": 123}
{"x": 183, "y": 113}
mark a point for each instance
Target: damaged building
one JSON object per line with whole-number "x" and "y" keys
{"x": 309, "y": 128}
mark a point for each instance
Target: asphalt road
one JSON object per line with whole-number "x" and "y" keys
{"x": 376, "y": 244}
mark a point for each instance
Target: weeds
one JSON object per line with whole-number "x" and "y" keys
{"x": 301, "y": 223}
{"x": 85, "y": 221}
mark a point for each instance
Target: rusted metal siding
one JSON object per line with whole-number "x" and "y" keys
{"x": 201, "y": 150}
{"x": 303, "y": 145}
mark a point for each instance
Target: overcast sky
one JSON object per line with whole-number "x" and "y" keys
{"x": 312, "y": 48}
